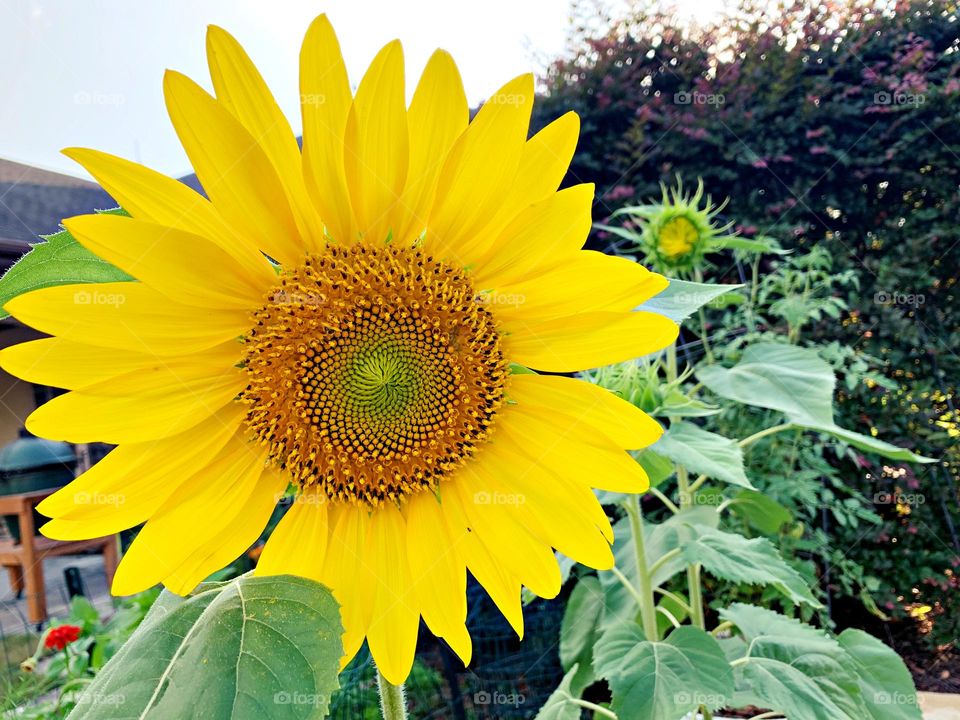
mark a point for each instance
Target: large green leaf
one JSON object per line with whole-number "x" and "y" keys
{"x": 664, "y": 680}
{"x": 252, "y": 648}
{"x": 558, "y": 705}
{"x": 793, "y": 668}
{"x": 579, "y": 630}
{"x": 797, "y": 382}
{"x": 682, "y": 298}
{"x": 756, "y": 562}
{"x": 59, "y": 260}
{"x": 885, "y": 683}
{"x": 704, "y": 453}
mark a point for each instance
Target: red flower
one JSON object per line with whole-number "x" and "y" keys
{"x": 61, "y": 636}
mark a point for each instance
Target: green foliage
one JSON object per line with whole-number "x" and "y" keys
{"x": 239, "y": 648}
{"x": 58, "y": 260}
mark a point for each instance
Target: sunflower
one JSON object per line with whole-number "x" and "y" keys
{"x": 678, "y": 231}
{"x": 354, "y": 323}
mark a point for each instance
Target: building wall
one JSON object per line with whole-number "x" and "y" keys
{"x": 17, "y": 399}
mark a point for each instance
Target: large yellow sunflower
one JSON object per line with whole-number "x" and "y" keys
{"x": 355, "y": 322}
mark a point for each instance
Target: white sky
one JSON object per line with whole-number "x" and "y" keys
{"x": 89, "y": 72}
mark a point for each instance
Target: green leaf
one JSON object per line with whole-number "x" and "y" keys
{"x": 682, "y": 298}
{"x": 613, "y": 646}
{"x": 665, "y": 680}
{"x": 885, "y": 683}
{"x": 704, "y": 453}
{"x": 797, "y": 382}
{"x": 760, "y": 511}
{"x": 793, "y": 668}
{"x": 754, "y": 562}
{"x": 255, "y": 647}
{"x": 59, "y": 260}
{"x": 579, "y": 630}
{"x": 558, "y": 705}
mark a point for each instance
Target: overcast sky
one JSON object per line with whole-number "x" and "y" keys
{"x": 89, "y": 72}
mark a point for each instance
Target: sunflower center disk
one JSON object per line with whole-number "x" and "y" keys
{"x": 373, "y": 372}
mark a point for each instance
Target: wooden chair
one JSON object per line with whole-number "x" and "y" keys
{"x": 24, "y": 559}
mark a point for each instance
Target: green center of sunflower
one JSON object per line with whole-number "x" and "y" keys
{"x": 373, "y": 372}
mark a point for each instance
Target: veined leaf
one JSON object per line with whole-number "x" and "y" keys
{"x": 558, "y": 705}
{"x": 666, "y": 679}
{"x": 579, "y": 629}
{"x": 754, "y": 562}
{"x": 885, "y": 683}
{"x": 703, "y": 452}
{"x": 58, "y": 260}
{"x": 682, "y": 298}
{"x": 251, "y": 648}
{"x": 797, "y": 382}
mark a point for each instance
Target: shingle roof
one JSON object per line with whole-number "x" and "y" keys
{"x": 34, "y": 201}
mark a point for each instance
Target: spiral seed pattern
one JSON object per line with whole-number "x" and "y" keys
{"x": 373, "y": 372}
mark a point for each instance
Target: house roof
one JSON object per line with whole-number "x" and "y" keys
{"x": 34, "y": 201}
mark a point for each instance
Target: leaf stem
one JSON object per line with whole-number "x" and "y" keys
{"x": 648, "y": 613}
{"x": 598, "y": 709}
{"x": 671, "y": 506}
{"x": 393, "y": 703}
{"x": 750, "y": 439}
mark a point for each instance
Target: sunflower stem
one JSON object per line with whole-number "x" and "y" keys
{"x": 695, "y": 592}
{"x": 393, "y": 702}
{"x": 648, "y": 611}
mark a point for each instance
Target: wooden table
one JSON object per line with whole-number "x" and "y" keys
{"x": 24, "y": 559}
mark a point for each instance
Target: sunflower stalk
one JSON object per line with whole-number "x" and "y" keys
{"x": 648, "y": 612}
{"x": 393, "y": 701}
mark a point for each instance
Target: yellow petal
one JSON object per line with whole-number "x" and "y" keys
{"x": 562, "y": 515}
{"x": 438, "y": 115}
{"x": 587, "y": 340}
{"x": 191, "y": 517}
{"x": 543, "y": 164}
{"x": 495, "y": 518}
{"x": 126, "y": 316}
{"x": 376, "y": 146}
{"x": 392, "y": 635}
{"x": 233, "y": 539}
{"x": 241, "y": 90}
{"x": 588, "y": 281}
{"x": 134, "y": 480}
{"x": 325, "y": 100}
{"x": 584, "y": 406}
{"x": 502, "y": 588}
{"x": 84, "y": 416}
{"x": 149, "y": 195}
{"x": 298, "y": 545}
{"x": 438, "y": 575}
{"x": 235, "y": 172}
{"x": 478, "y": 173}
{"x": 573, "y": 452}
{"x": 66, "y": 364}
{"x": 173, "y": 262}
{"x": 349, "y": 571}
{"x": 540, "y": 237}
